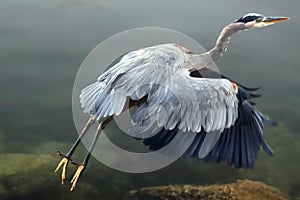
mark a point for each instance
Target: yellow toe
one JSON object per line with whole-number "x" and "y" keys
{"x": 76, "y": 176}
{"x": 63, "y": 163}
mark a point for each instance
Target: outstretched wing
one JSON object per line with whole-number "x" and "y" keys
{"x": 173, "y": 98}
{"x": 238, "y": 145}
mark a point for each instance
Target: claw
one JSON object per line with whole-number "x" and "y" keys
{"x": 76, "y": 176}
{"x": 63, "y": 163}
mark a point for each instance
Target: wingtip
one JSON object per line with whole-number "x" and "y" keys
{"x": 255, "y": 95}
{"x": 270, "y": 122}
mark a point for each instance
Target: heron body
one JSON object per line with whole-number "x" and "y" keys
{"x": 173, "y": 96}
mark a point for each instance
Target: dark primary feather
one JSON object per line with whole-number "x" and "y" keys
{"x": 180, "y": 103}
{"x": 238, "y": 145}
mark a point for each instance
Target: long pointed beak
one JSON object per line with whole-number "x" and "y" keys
{"x": 272, "y": 20}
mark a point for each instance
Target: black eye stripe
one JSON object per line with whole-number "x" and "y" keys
{"x": 248, "y": 19}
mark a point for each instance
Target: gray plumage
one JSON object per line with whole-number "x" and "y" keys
{"x": 183, "y": 105}
{"x": 159, "y": 78}
{"x": 161, "y": 74}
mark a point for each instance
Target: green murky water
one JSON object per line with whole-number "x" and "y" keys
{"x": 42, "y": 45}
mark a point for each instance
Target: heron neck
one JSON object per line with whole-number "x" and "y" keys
{"x": 224, "y": 39}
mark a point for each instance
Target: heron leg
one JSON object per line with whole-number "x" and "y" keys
{"x": 82, "y": 166}
{"x": 66, "y": 158}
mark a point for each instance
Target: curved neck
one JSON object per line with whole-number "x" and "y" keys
{"x": 224, "y": 39}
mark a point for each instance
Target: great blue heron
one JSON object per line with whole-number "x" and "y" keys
{"x": 227, "y": 124}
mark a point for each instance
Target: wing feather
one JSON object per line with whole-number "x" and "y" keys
{"x": 219, "y": 123}
{"x": 161, "y": 74}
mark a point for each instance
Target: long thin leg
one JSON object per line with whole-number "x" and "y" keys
{"x": 66, "y": 158}
{"x": 81, "y": 167}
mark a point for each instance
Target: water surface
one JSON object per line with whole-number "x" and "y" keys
{"x": 43, "y": 44}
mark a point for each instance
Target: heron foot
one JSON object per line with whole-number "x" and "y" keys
{"x": 63, "y": 163}
{"x": 76, "y": 176}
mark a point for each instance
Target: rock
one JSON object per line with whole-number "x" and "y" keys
{"x": 20, "y": 174}
{"x": 31, "y": 176}
{"x": 242, "y": 189}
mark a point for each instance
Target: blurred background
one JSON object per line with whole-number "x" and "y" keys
{"x": 42, "y": 44}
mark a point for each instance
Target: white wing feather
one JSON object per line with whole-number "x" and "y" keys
{"x": 160, "y": 72}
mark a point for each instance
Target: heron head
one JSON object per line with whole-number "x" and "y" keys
{"x": 255, "y": 20}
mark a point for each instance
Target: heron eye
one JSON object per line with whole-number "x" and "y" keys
{"x": 259, "y": 19}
